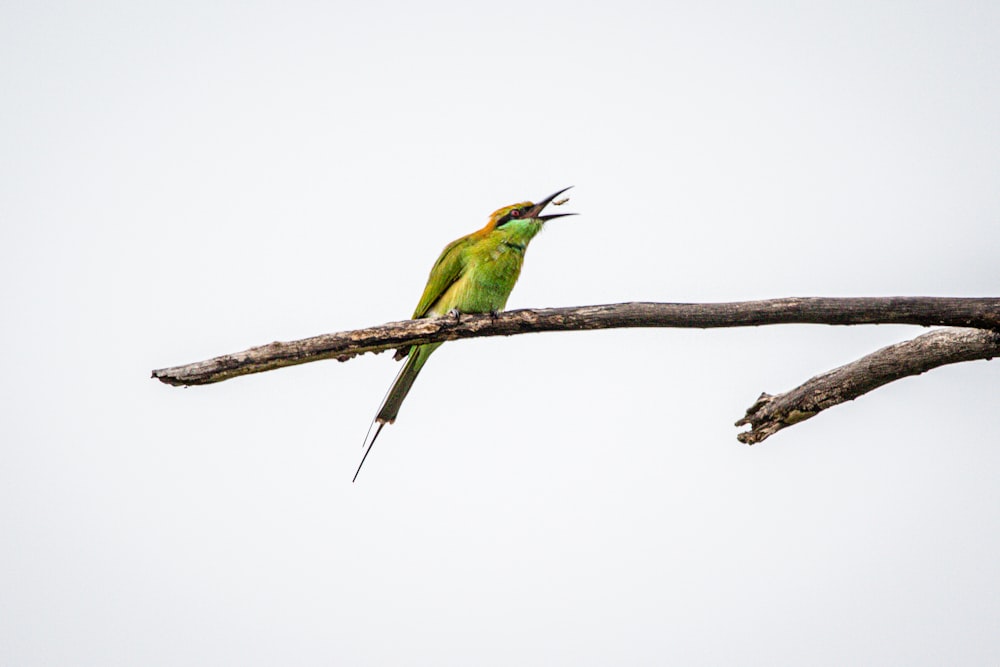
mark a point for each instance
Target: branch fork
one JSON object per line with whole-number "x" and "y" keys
{"x": 974, "y": 333}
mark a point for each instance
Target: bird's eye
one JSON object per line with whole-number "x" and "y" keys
{"x": 515, "y": 214}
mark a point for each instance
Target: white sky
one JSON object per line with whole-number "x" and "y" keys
{"x": 179, "y": 181}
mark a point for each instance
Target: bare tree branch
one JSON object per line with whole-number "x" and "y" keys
{"x": 770, "y": 414}
{"x": 925, "y": 311}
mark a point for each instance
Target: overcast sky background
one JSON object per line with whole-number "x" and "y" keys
{"x": 180, "y": 180}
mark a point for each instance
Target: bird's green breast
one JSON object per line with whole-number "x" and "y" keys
{"x": 492, "y": 266}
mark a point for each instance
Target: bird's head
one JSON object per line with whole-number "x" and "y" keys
{"x": 525, "y": 210}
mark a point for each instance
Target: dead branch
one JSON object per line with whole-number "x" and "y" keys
{"x": 770, "y": 414}
{"x": 981, "y": 313}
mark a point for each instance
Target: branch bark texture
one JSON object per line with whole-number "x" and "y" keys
{"x": 982, "y": 313}
{"x": 770, "y": 414}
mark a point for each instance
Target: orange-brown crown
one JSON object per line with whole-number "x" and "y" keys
{"x": 508, "y": 213}
{"x": 525, "y": 209}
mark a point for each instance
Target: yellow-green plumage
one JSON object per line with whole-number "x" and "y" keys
{"x": 474, "y": 274}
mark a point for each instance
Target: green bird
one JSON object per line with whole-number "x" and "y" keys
{"x": 474, "y": 274}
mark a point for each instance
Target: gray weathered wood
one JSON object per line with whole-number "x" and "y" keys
{"x": 770, "y": 414}
{"x": 925, "y": 311}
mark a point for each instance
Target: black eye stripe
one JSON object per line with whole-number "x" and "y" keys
{"x": 513, "y": 215}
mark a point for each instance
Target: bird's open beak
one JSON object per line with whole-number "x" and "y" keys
{"x": 536, "y": 210}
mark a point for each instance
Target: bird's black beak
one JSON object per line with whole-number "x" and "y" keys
{"x": 535, "y": 212}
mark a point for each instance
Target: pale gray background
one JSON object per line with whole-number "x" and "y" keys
{"x": 180, "y": 180}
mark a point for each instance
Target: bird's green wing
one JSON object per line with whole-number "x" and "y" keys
{"x": 447, "y": 269}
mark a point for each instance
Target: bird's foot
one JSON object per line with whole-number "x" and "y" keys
{"x": 494, "y": 314}
{"x": 457, "y": 314}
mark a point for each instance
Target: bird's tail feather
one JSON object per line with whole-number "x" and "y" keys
{"x": 394, "y": 398}
{"x": 404, "y": 381}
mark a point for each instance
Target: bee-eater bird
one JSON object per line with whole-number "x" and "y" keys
{"x": 474, "y": 274}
